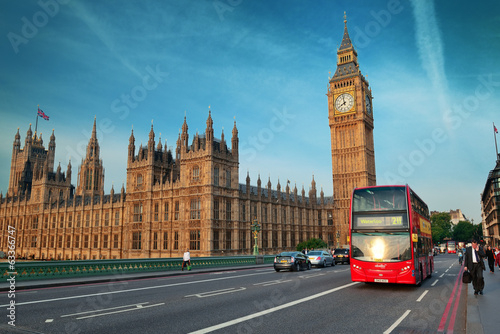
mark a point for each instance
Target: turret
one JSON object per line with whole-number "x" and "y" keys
{"x": 234, "y": 141}
{"x": 248, "y": 183}
{"x": 184, "y": 136}
{"x": 68, "y": 172}
{"x": 151, "y": 144}
{"x": 17, "y": 142}
{"x": 196, "y": 142}
{"x": 58, "y": 173}
{"x": 51, "y": 154}
{"x": 222, "y": 142}
{"x": 131, "y": 147}
{"x": 93, "y": 146}
{"x": 140, "y": 154}
{"x": 269, "y": 187}
{"x": 29, "y": 138}
{"x": 159, "y": 147}
{"x": 122, "y": 193}
{"x": 178, "y": 148}
{"x": 209, "y": 132}
{"x": 91, "y": 171}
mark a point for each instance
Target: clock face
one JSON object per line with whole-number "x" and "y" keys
{"x": 368, "y": 104}
{"x": 344, "y": 102}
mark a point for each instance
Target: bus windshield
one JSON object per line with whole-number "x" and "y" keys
{"x": 379, "y": 199}
{"x": 381, "y": 247}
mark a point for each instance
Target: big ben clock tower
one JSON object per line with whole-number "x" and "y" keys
{"x": 350, "y": 116}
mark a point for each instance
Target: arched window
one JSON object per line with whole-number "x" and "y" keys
{"x": 196, "y": 173}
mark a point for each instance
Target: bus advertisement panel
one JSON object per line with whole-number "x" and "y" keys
{"x": 390, "y": 236}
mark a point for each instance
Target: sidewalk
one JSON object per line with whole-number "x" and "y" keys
{"x": 45, "y": 283}
{"x": 482, "y": 310}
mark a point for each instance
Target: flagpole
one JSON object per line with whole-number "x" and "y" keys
{"x": 495, "y": 134}
{"x": 36, "y": 125}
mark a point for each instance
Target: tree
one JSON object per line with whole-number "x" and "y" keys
{"x": 478, "y": 232}
{"x": 312, "y": 243}
{"x": 463, "y": 231}
{"x": 441, "y": 226}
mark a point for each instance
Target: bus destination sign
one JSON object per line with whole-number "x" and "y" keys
{"x": 384, "y": 221}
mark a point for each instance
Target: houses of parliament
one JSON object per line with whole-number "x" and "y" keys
{"x": 190, "y": 198}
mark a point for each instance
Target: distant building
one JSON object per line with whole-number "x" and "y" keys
{"x": 490, "y": 206}
{"x": 456, "y": 216}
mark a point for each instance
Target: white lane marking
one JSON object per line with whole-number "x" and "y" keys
{"x": 273, "y": 282}
{"x": 310, "y": 276}
{"x": 136, "y": 289}
{"x": 216, "y": 292}
{"x": 434, "y": 282}
{"x": 274, "y": 309}
{"x": 106, "y": 309}
{"x": 447, "y": 270}
{"x": 121, "y": 311}
{"x": 441, "y": 275}
{"x": 422, "y": 296}
{"x": 49, "y": 320}
{"x": 394, "y": 325}
{"x": 223, "y": 272}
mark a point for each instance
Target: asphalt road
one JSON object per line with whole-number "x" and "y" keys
{"x": 321, "y": 300}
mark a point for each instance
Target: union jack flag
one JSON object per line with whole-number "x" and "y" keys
{"x": 42, "y": 114}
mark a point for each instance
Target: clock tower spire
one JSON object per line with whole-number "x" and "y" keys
{"x": 350, "y": 118}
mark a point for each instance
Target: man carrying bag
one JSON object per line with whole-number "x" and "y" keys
{"x": 475, "y": 265}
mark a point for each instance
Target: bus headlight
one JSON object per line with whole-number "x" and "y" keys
{"x": 378, "y": 249}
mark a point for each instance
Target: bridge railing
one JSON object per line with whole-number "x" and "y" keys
{"x": 33, "y": 270}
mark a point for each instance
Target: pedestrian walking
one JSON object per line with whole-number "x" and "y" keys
{"x": 460, "y": 256}
{"x": 491, "y": 259}
{"x": 497, "y": 260}
{"x": 186, "y": 260}
{"x": 474, "y": 263}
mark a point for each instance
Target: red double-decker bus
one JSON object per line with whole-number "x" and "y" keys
{"x": 390, "y": 236}
{"x": 451, "y": 247}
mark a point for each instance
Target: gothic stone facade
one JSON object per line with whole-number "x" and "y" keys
{"x": 171, "y": 203}
{"x": 490, "y": 206}
{"x": 190, "y": 198}
{"x": 350, "y": 115}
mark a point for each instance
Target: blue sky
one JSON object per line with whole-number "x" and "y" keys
{"x": 433, "y": 69}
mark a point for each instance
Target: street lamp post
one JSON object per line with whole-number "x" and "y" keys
{"x": 338, "y": 237}
{"x": 255, "y": 230}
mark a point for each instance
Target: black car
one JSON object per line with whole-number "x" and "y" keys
{"x": 291, "y": 261}
{"x": 341, "y": 255}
